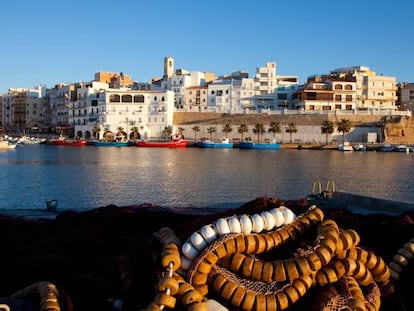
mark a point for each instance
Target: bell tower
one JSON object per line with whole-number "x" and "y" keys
{"x": 168, "y": 67}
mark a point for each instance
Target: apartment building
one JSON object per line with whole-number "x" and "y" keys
{"x": 59, "y": 99}
{"x": 349, "y": 88}
{"x": 196, "y": 98}
{"x": 373, "y": 92}
{"x": 22, "y": 110}
{"x": 406, "y": 96}
{"x": 326, "y": 93}
{"x": 265, "y": 98}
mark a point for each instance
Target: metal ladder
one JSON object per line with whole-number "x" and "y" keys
{"x": 329, "y": 189}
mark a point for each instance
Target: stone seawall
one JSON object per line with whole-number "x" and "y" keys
{"x": 392, "y": 129}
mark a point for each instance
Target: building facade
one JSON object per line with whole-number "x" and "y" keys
{"x": 110, "y": 114}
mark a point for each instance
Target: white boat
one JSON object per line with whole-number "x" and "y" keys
{"x": 5, "y": 144}
{"x": 402, "y": 148}
{"x": 26, "y": 140}
{"x": 346, "y": 146}
{"x": 360, "y": 147}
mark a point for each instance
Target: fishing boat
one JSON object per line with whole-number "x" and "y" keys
{"x": 387, "y": 147}
{"x": 222, "y": 143}
{"x": 359, "y": 147}
{"x": 62, "y": 141}
{"x": 26, "y": 140}
{"x": 174, "y": 143}
{"x": 100, "y": 143}
{"x": 270, "y": 145}
{"x": 5, "y": 144}
{"x": 346, "y": 146}
{"x": 402, "y": 148}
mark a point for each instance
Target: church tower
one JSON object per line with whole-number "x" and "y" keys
{"x": 168, "y": 67}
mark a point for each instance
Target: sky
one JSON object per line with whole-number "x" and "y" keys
{"x": 49, "y": 42}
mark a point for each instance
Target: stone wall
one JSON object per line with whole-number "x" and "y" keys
{"x": 399, "y": 130}
{"x": 392, "y": 129}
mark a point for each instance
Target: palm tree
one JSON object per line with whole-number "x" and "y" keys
{"x": 227, "y": 129}
{"x": 195, "y": 129}
{"x": 344, "y": 126}
{"x": 180, "y": 131}
{"x": 166, "y": 132}
{"x": 291, "y": 128}
{"x": 120, "y": 133}
{"x": 243, "y": 128}
{"x": 274, "y": 127}
{"x": 259, "y": 130}
{"x": 327, "y": 128}
{"x": 135, "y": 133}
{"x": 96, "y": 130}
{"x": 210, "y": 131}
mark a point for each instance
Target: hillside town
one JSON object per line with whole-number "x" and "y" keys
{"x": 114, "y": 102}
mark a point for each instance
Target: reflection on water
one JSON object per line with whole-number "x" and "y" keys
{"x": 88, "y": 177}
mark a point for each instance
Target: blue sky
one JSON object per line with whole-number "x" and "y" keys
{"x": 49, "y": 42}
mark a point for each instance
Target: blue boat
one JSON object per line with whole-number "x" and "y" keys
{"x": 100, "y": 143}
{"x": 222, "y": 143}
{"x": 264, "y": 146}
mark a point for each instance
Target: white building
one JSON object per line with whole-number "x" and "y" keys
{"x": 219, "y": 96}
{"x": 265, "y": 87}
{"x": 60, "y": 98}
{"x": 124, "y": 111}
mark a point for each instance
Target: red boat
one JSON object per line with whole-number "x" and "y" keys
{"x": 175, "y": 143}
{"x": 68, "y": 142}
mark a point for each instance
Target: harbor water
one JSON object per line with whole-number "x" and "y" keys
{"x": 83, "y": 178}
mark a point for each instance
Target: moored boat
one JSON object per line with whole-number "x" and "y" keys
{"x": 5, "y": 144}
{"x": 387, "y": 148}
{"x": 61, "y": 141}
{"x": 262, "y": 146}
{"x": 100, "y": 143}
{"x": 26, "y": 140}
{"x": 222, "y": 143}
{"x": 360, "y": 147}
{"x": 175, "y": 143}
{"x": 402, "y": 148}
{"x": 346, "y": 146}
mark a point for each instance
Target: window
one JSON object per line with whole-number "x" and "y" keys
{"x": 348, "y": 87}
{"x": 114, "y": 98}
{"x": 138, "y": 98}
{"x": 126, "y": 98}
{"x": 338, "y": 98}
